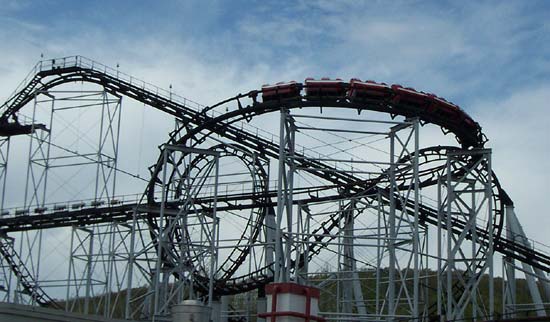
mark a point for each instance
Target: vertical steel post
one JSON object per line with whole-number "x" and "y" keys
{"x": 473, "y": 250}
{"x": 379, "y": 213}
{"x": 450, "y": 257}
{"x": 490, "y": 250}
{"x": 509, "y": 276}
{"x": 118, "y": 109}
{"x": 99, "y": 154}
{"x": 131, "y": 260}
{"x": 279, "y": 259}
{"x": 89, "y": 271}
{"x": 158, "y": 268}
{"x": 4, "y": 157}
{"x": 392, "y": 232}
{"x": 213, "y": 249}
{"x": 289, "y": 191}
{"x": 416, "y": 232}
{"x": 440, "y": 218}
{"x": 71, "y": 261}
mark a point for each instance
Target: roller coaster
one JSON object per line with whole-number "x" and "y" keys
{"x": 370, "y": 204}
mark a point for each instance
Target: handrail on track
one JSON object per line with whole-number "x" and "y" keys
{"x": 82, "y": 62}
{"x": 87, "y": 63}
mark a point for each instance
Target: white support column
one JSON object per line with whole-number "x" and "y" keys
{"x": 465, "y": 200}
{"x": 4, "y": 157}
{"x": 530, "y": 272}
{"x": 392, "y": 234}
{"x": 284, "y": 244}
{"x": 271, "y": 241}
{"x": 353, "y": 294}
{"x": 403, "y": 240}
{"x": 176, "y": 258}
{"x": 509, "y": 280}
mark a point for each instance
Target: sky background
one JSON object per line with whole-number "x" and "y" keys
{"x": 490, "y": 57}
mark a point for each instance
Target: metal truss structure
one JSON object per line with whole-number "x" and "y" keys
{"x": 343, "y": 199}
{"x": 469, "y": 192}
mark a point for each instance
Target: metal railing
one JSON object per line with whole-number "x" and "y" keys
{"x": 52, "y": 207}
{"x": 87, "y": 63}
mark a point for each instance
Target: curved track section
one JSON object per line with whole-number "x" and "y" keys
{"x": 198, "y": 125}
{"x": 321, "y": 235}
{"x": 395, "y": 101}
{"x": 251, "y": 228}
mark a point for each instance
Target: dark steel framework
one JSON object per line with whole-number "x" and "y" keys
{"x": 200, "y": 124}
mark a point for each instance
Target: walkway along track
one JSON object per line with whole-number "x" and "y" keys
{"x": 50, "y": 74}
{"x": 122, "y": 213}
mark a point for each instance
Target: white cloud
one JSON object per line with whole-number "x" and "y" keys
{"x": 518, "y": 125}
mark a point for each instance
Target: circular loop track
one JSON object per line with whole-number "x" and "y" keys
{"x": 357, "y": 95}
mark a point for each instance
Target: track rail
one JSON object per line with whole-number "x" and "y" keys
{"x": 30, "y": 286}
{"x": 197, "y": 123}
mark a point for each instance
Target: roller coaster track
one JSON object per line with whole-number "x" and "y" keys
{"x": 121, "y": 213}
{"x": 30, "y": 286}
{"x": 52, "y": 73}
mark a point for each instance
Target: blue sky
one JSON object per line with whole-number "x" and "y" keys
{"x": 457, "y": 47}
{"x": 490, "y": 57}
